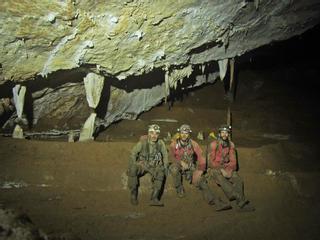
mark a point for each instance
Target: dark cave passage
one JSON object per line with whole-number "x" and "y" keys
{"x": 276, "y": 94}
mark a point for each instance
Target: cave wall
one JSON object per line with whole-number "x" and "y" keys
{"x": 134, "y": 45}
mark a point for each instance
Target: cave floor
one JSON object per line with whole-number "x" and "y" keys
{"x": 79, "y": 188}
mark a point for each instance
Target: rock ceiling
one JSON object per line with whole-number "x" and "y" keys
{"x": 141, "y": 49}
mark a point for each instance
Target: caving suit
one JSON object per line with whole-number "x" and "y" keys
{"x": 191, "y": 154}
{"x": 222, "y": 155}
{"x": 148, "y": 157}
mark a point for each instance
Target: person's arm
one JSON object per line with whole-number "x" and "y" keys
{"x": 164, "y": 154}
{"x": 232, "y": 164}
{"x": 213, "y": 161}
{"x": 172, "y": 150}
{"x": 135, "y": 152}
{"x": 201, "y": 160}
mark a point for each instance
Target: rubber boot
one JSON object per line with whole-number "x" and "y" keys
{"x": 220, "y": 205}
{"x": 134, "y": 197}
{"x": 155, "y": 200}
{"x": 244, "y": 205}
{"x": 248, "y": 207}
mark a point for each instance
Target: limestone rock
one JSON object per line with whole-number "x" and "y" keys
{"x": 87, "y": 130}
{"x": 17, "y": 132}
{"x": 18, "y": 226}
{"x": 93, "y": 84}
{"x": 129, "y": 43}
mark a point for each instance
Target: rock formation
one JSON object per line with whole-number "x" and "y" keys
{"x": 18, "y": 226}
{"x": 142, "y": 48}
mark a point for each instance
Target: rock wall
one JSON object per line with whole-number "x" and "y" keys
{"x": 49, "y": 46}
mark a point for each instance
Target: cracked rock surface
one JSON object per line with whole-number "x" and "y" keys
{"x": 50, "y": 46}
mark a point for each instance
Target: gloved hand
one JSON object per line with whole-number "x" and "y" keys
{"x": 226, "y": 174}
{"x": 196, "y": 176}
{"x": 184, "y": 166}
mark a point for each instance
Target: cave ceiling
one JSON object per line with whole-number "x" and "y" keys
{"x": 135, "y": 45}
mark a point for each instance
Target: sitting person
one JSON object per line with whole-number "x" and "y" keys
{"x": 223, "y": 168}
{"x": 149, "y": 155}
{"x": 187, "y": 160}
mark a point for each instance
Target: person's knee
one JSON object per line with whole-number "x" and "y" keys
{"x": 132, "y": 171}
{"x": 218, "y": 176}
{"x": 158, "y": 178}
{"x": 132, "y": 182}
{"x": 215, "y": 172}
{"x": 201, "y": 183}
{"x": 236, "y": 179}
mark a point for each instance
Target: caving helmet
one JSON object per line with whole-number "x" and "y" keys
{"x": 154, "y": 128}
{"x": 224, "y": 127}
{"x": 185, "y": 128}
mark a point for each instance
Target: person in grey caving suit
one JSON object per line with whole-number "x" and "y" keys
{"x": 149, "y": 155}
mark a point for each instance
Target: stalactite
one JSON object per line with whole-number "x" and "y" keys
{"x": 256, "y": 4}
{"x": 19, "y": 93}
{"x": 173, "y": 77}
{"x": 229, "y": 121}
{"x": 223, "y": 66}
{"x": 93, "y": 85}
{"x": 177, "y": 75}
{"x": 167, "y": 85}
{"x": 231, "y": 74}
{"x": 203, "y": 68}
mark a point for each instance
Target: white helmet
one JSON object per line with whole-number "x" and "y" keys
{"x": 154, "y": 128}
{"x": 224, "y": 127}
{"x": 185, "y": 129}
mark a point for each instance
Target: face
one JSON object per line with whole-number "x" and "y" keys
{"x": 153, "y": 136}
{"x": 184, "y": 136}
{"x": 224, "y": 135}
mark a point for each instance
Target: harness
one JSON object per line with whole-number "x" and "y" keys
{"x": 150, "y": 159}
{"x": 188, "y": 153}
{"x": 224, "y": 156}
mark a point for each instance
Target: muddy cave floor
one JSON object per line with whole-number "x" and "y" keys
{"x": 79, "y": 188}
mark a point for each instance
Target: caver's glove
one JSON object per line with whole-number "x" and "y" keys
{"x": 225, "y": 173}
{"x": 185, "y": 166}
